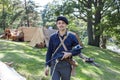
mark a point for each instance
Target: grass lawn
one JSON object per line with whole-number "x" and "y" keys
{"x": 30, "y": 62}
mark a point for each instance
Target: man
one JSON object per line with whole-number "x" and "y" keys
{"x": 60, "y": 69}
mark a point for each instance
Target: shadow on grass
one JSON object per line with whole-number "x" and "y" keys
{"x": 28, "y": 61}
{"x": 109, "y": 65}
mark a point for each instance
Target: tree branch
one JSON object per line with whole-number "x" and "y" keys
{"x": 107, "y": 7}
{"x": 94, "y": 3}
{"x": 84, "y": 2}
{"x": 80, "y": 17}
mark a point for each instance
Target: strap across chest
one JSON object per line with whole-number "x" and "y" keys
{"x": 61, "y": 43}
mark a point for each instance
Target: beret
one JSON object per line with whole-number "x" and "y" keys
{"x": 62, "y": 18}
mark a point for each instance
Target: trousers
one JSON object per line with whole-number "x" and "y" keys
{"x": 62, "y": 70}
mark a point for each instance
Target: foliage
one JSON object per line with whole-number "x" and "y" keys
{"x": 92, "y": 12}
{"x": 48, "y": 14}
{"x": 100, "y": 16}
{"x": 111, "y": 22}
{"x": 10, "y": 12}
{"x": 13, "y": 13}
{"x": 31, "y": 15}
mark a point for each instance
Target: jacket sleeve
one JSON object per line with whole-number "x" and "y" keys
{"x": 76, "y": 50}
{"x": 49, "y": 52}
{"x": 75, "y": 42}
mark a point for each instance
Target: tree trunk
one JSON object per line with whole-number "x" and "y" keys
{"x": 90, "y": 32}
{"x": 4, "y": 15}
{"x": 28, "y": 23}
{"x": 103, "y": 42}
{"x": 97, "y": 41}
{"x": 89, "y": 24}
{"x": 97, "y": 31}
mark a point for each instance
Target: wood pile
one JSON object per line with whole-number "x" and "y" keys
{"x": 13, "y": 34}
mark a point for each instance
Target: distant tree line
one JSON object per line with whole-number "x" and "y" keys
{"x": 15, "y": 13}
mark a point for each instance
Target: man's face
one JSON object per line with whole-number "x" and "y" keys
{"x": 61, "y": 25}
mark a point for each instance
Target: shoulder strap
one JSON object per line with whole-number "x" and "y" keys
{"x": 60, "y": 44}
{"x": 57, "y": 48}
{"x": 76, "y": 35}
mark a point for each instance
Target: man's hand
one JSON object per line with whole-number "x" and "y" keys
{"x": 66, "y": 55}
{"x": 47, "y": 71}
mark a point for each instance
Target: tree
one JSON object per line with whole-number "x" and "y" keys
{"x": 30, "y": 12}
{"x": 49, "y": 14}
{"x": 92, "y": 12}
{"x": 4, "y": 4}
{"x": 111, "y": 22}
{"x": 10, "y": 12}
{"x": 13, "y": 14}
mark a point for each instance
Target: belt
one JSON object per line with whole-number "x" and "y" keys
{"x": 67, "y": 59}
{"x": 71, "y": 61}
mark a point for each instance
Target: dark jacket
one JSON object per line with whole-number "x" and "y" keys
{"x": 54, "y": 42}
